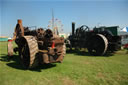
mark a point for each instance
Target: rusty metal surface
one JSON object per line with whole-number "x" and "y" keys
{"x": 38, "y": 46}
{"x": 28, "y": 51}
{"x": 45, "y": 58}
{"x": 19, "y": 30}
{"x": 43, "y": 51}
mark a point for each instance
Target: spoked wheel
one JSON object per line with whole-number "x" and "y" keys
{"x": 97, "y": 45}
{"x": 28, "y": 50}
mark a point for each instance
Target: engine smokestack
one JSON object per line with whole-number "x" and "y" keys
{"x": 19, "y": 21}
{"x": 73, "y": 28}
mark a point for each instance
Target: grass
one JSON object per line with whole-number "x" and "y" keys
{"x": 76, "y": 69}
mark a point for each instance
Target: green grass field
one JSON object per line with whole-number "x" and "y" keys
{"x": 76, "y": 69}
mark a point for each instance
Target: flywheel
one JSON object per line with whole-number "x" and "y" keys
{"x": 97, "y": 45}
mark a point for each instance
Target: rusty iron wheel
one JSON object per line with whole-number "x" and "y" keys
{"x": 25, "y": 55}
{"x": 28, "y": 51}
{"x": 97, "y": 45}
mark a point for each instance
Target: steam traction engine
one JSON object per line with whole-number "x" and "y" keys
{"x": 98, "y": 41}
{"x": 38, "y": 46}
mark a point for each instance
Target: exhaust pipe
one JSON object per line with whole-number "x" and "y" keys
{"x": 73, "y": 28}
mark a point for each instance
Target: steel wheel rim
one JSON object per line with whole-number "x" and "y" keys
{"x": 98, "y": 45}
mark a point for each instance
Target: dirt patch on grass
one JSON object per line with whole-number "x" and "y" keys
{"x": 100, "y": 75}
{"x": 67, "y": 81}
{"x": 87, "y": 62}
{"x": 118, "y": 77}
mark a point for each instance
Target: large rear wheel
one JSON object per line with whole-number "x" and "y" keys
{"x": 97, "y": 45}
{"x": 28, "y": 51}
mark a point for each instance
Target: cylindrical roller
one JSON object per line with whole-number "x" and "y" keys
{"x": 97, "y": 45}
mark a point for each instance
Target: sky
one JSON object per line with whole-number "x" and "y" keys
{"x": 83, "y": 12}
